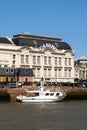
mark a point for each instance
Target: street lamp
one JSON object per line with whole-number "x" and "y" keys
{"x": 14, "y": 79}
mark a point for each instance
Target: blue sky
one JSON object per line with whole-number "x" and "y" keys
{"x": 66, "y": 19}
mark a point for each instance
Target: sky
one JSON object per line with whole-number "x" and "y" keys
{"x": 65, "y": 19}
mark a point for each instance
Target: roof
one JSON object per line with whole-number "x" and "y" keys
{"x": 24, "y": 72}
{"x": 16, "y": 71}
{"x": 37, "y": 41}
{"x": 26, "y": 39}
{"x": 28, "y": 35}
{"x": 6, "y": 40}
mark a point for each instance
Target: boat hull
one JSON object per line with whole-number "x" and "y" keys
{"x": 25, "y": 99}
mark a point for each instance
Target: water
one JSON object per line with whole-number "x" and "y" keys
{"x": 67, "y": 115}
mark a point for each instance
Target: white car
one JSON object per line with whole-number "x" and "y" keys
{"x": 19, "y": 84}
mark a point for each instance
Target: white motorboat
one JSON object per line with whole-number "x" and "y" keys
{"x": 41, "y": 95}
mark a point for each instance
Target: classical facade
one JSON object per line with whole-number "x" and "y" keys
{"x": 80, "y": 69}
{"x": 48, "y": 57}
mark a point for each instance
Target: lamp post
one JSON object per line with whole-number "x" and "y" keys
{"x": 14, "y": 79}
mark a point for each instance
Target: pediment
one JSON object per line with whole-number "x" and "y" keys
{"x": 25, "y": 48}
{"x": 48, "y": 51}
{"x": 69, "y": 52}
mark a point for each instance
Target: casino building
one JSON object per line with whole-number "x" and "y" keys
{"x": 47, "y": 57}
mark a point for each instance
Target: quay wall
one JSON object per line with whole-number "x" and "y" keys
{"x": 72, "y": 93}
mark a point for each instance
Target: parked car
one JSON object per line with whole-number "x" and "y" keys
{"x": 19, "y": 84}
{"x": 15, "y": 84}
{"x": 84, "y": 84}
{"x": 1, "y": 85}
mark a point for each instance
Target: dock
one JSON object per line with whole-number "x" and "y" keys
{"x": 72, "y": 93}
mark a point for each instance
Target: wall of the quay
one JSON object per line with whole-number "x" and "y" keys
{"x": 73, "y": 93}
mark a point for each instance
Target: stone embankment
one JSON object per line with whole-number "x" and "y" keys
{"x": 72, "y": 93}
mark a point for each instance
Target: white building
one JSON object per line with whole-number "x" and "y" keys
{"x": 81, "y": 68}
{"x": 49, "y": 57}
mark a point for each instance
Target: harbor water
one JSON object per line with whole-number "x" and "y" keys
{"x": 66, "y": 115}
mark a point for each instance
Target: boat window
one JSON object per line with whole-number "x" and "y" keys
{"x": 36, "y": 94}
{"x": 57, "y": 94}
{"x": 47, "y": 94}
{"x": 51, "y": 94}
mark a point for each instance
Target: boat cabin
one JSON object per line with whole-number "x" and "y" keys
{"x": 47, "y": 94}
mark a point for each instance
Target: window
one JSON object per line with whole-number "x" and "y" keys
{"x": 69, "y": 73}
{"x": 65, "y": 61}
{"x": 13, "y": 62}
{"x": 27, "y": 59}
{"x": 51, "y": 94}
{"x": 36, "y": 94}
{"x": 55, "y": 60}
{"x": 26, "y": 70}
{"x": 49, "y": 72}
{"x": 38, "y": 59}
{"x": 7, "y": 70}
{"x": 26, "y": 80}
{"x": 55, "y": 72}
{"x": 69, "y": 61}
{"x": 22, "y": 58}
{"x": 38, "y": 71}
{"x": 65, "y": 73}
{"x": 45, "y": 60}
{"x": 34, "y": 59}
{"x": 47, "y": 94}
{"x": 59, "y": 73}
{"x": 14, "y": 56}
{"x": 49, "y": 60}
{"x": 12, "y": 79}
{"x": 59, "y": 60}
{"x": 6, "y": 79}
{"x": 57, "y": 94}
{"x": 45, "y": 72}
{"x": 11, "y": 70}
